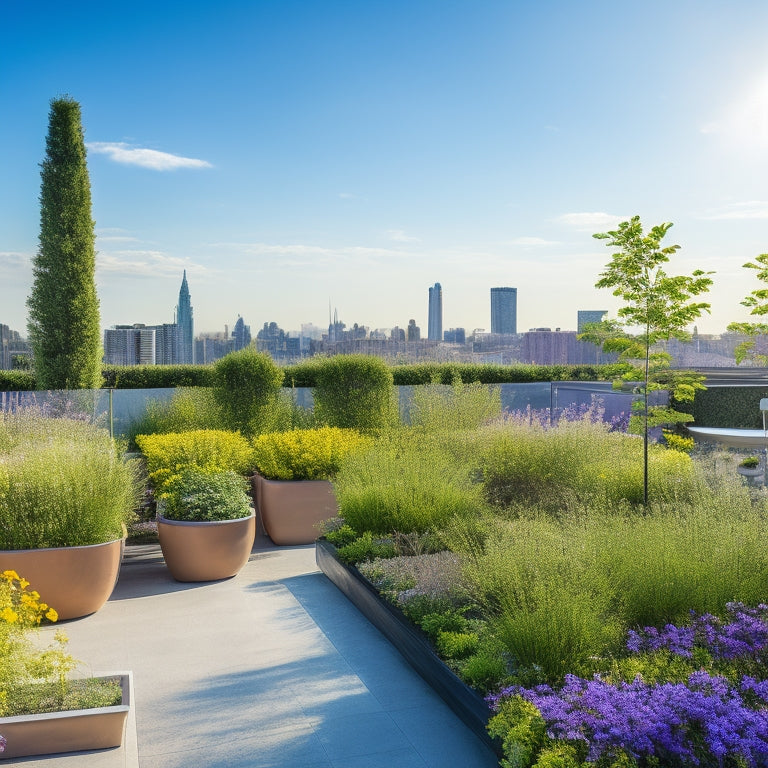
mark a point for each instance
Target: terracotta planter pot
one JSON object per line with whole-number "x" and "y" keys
{"x": 72, "y": 731}
{"x": 292, "y": 509}
{"x": 75, "y": 581}
{"x": 206, "y": 551}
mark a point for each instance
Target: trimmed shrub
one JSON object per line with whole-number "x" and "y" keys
{"x": 17, "y": 381}
{"x": 197, "y": 495}
{"x": 204, "y": 449}
{"x": 157, "y": 376}
{"x": 247, "y": 385}
{"x": 305, "y": 454}
{"x": 355, "y": 392}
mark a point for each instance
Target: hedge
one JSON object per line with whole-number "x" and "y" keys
{"x": 732, "y": 407}
{"x": 157, "y": 376}
{"x": 17, "y": 381}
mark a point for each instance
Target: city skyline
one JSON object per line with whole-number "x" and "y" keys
{"x": 287, "y": 155}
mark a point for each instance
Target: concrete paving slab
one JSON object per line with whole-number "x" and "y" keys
{"x": 274, "y": 667}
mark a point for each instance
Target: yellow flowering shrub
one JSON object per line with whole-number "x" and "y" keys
{"x": 21, "y": 663}
{"x": 305, "y": 454}
{"x": 209, "y": 450}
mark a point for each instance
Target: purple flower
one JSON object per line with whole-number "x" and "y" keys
{"x": 3, "y": 743}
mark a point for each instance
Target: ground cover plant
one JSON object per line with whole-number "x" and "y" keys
{"x": 559, "y": 561}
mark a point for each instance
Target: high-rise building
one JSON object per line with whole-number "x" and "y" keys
{"x": 414, "y": 332}
{"x": 5, "y": 347}
{"x": 129, "y": 345}
{"x": 241, "y": 335}
{"x": 503, "y": 310}
{"x": 435, "y": 323}
{"x": 185, "y": 352}
{"x": 585, "y": 316}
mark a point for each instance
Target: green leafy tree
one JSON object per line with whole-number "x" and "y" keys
{"x": 63, "y": 306}
{"x": 661, "y": 306}
{"x": 757, "y": 301}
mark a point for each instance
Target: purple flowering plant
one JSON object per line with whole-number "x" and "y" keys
{"x": 713, "y": 716}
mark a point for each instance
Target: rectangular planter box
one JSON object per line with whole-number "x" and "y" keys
{"x": 75, "y": 730}
{"x": 411, "y": 642}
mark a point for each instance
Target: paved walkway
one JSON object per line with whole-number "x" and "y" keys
{"x": 273, "y": 668}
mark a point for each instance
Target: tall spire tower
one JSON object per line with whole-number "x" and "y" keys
{"x": 185, "y": 344}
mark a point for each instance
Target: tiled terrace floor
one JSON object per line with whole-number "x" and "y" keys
{"x": 274, "y": 667}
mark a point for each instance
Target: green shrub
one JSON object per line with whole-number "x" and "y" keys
{"x": 189, "y": 408}
{"x": 247, "y": 385}
{"x": 197, "y": 495}
{"x": 354, "y": 392}
{"x": 365, "y": 548}
{"x": 17, "y": 381}
{"x": 460, "y": 406}
{"x": 157, "y": 376}
{"x": 577, "y": 463}
{"x": 62, "y": 483}
{"x": 405, "y": 484}
{"x": 206, "y": 449}
{"x": 305, "y": 454}
{"x": 456, "y": 645}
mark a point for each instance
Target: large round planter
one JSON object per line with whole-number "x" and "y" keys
{"x": 75, "y": 730}
{"x": 291, "y": 510}
{"x": 75, "y": 581}
{"x": 206, "y": 551}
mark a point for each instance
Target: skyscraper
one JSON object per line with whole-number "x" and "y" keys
{"x": 241, "y": 334}
{"x": 584, "y": 316}
{"x": 435, "y": 324}
{"x": 503, "y": 310}
{"x": 185, "y": 350}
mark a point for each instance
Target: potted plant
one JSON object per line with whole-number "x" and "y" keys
{"x": 65, "y": 498}
{"x": 292, "y": 483}
{"x": 206, "y": 524}
{"x": 750, "y": 467}
{"x": 42, "y": 710}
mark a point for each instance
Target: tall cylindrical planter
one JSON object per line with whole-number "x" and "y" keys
{"x": 292, "y": 510}
{"x": 206, "y": 551}
{"x": 75, "y": 581}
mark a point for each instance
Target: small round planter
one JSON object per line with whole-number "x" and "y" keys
{"x": 75, "y": 581}
{"x": 206, "y": 551}
{"x": 291, "y": 510}
{"x": 751, "y": 471}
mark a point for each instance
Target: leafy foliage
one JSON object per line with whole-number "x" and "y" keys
{"x": 246, "y": 388}
{"x": 354, "y": 392}
{"x": 199, "y": 495}
{"x": 757, "y": 301}
{"x": 63, "y": 307}
{"x": 660, "y": 305}
{"x": 208, "y": 450}
{"x": 305, "y": 454}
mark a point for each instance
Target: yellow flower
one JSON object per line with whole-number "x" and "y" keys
{"x": 8, "y": 615}
{"x": 10, "y": 575}
{"x": 51, "y": 615}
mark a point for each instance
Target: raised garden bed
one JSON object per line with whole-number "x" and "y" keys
{"x": 410, "y": 641}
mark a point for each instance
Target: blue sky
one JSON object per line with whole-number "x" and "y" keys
{"x": 295, "y": 153}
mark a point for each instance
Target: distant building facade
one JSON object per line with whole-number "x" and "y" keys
{"x": 455, "y": 336}
{"x": 503, "y": 310}
{"x": 185, "y": 352}
{"x": 413, "y": 332}
{"x": 5, "y": 348}
{"x": 585, "y": 316}
{"x": 435, "y": 318}
{"x": 241, "y": 335}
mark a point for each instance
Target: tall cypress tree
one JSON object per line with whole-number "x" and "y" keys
{"x": 63, "y": 307}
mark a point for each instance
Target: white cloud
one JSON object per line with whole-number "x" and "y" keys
{"x": 399, "y": 236}
{"x": 591, "y": 222}
{"x": 145, "y": 158}
{"x": 532, "y": 241}
{"x": 145, "y": 263}
{"x": 753, "y": 209}
{"x": 14, "y": 259}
